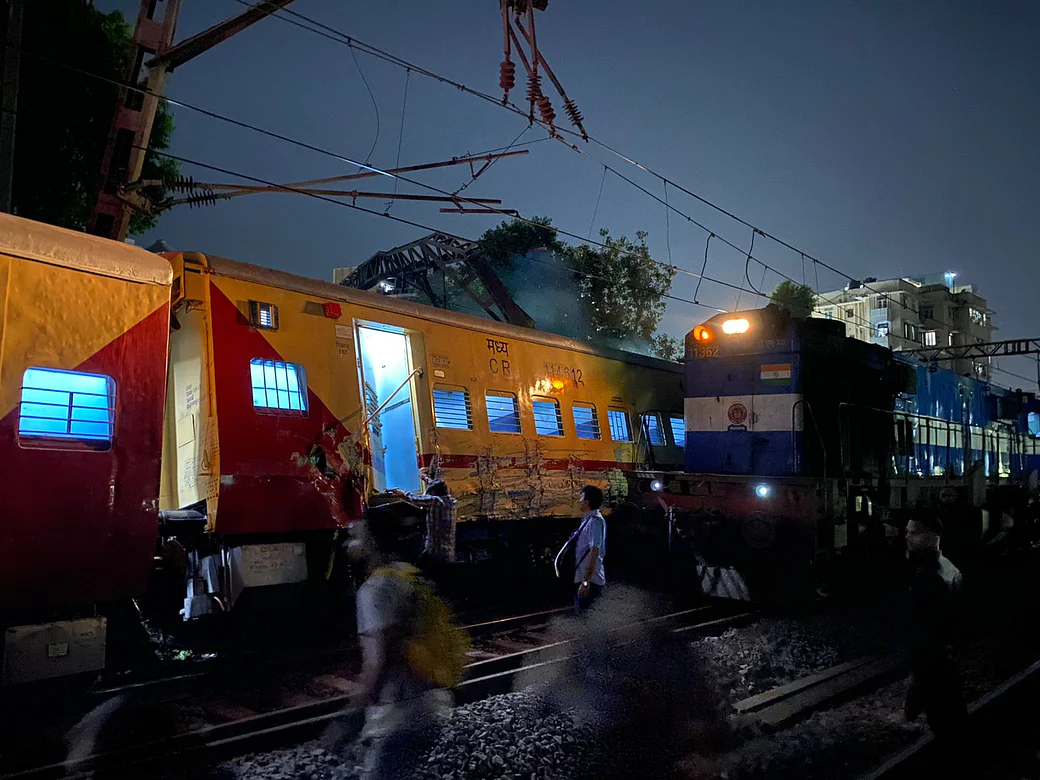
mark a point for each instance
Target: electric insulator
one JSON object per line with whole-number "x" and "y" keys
{"x": 534, "y": 87}
{"x": 546, "y": 109}
{"x": 507, "y": 77}
{"x": 572, "y": 111}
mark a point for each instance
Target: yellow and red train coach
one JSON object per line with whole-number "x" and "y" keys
{"x": 291, "y": 400}
{"x": 233, "y": 418}
{"x": 83, "y": 335}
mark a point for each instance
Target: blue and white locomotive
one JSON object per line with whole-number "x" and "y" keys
{"x": 806, "y": 449}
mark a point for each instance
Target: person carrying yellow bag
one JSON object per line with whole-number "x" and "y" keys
{"x": 413, "y": 653}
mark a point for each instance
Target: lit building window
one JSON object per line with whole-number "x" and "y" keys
{"x": 929, "y": 338}
{"x": 882, "y": 330}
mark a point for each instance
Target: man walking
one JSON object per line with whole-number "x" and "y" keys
{"x": 403, "y": 707}
{"x": 935, "y": 587}
{"x": 589, "y": 550}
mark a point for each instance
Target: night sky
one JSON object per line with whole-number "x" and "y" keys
{"x": 886, "y": 138}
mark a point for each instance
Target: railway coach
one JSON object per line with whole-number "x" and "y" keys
{"x": 83, "y": 334}
{"x": 210, "y": 426}
{"x": 291, "y": 401}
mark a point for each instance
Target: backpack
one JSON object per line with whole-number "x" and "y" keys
{"x": 437, "y": 650}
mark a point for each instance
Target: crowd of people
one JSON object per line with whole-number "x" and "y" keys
{"x": 414, "y": 652}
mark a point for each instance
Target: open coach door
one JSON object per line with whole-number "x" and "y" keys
{"x": 387, "y": 378}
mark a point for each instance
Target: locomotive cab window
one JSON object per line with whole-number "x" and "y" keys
{"x": 60, "y": 408}
{"x": 678, "y": 428}
{"x": 653, "y": 430}
{"x": 1034, "y": 425}
{"x": 620, "y": 429}
{"x": 503, "y": 412}
{"x": 451, "y": 408}
{"x": 586, "y": 421}
{"x": 547, "y": 418}
{"x": 278, "y": 387}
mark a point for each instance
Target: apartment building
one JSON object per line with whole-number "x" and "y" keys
{"x": 910, "y": 313}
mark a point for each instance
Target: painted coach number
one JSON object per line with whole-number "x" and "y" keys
{"x": 737, "y": 414}
{"x": 573, "y": 374}
{"x": 705, "y": 351}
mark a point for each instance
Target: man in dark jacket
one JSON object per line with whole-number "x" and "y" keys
{"x": 935, "y": 587}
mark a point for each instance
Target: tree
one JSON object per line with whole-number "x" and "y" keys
{"x": 64, "y": 115}
{"x": 796, "y": 298}
{"x": 620, "y": 288}
{"x": 623, "y": 288}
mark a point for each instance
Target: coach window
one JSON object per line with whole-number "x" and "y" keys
{"x": 678, "y": 428}
{"x": 586, "y": 421}
{"x": 620, "y": 428}
{"x": 66, "y": 408}
{"x": 653, "y": 430}
{"x": 547, "y": 418}
{"x": 278, "y": 387}
{"x": 503, "y": 412}
{"x": 451, "y": 408}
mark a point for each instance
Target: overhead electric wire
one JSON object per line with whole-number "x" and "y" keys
{"x": 375, "y": 105}
{"x": 351, "y": 161}
{"x": 330, "y": 32}
{"x": 402, "y": 220}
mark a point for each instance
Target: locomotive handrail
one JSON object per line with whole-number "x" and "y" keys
{"x": 816, "y": 427}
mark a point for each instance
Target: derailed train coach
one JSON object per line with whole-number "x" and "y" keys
{"x": 203, "y": 429}
{"x": 805, "y": 451}
{"x": 292, "y": 401}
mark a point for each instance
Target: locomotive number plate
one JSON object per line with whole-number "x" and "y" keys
{"x": 706, "y": 351}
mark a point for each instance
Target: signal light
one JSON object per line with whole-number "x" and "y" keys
{"x": 700, "y": 333}
{"x": 732, "y": 327}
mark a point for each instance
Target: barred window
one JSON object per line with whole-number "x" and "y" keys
{"x": 678, "y": 426}
{"x": 620, "y": 429}
{"x": 547, "y": 418}
{"x": 69, "y": 406}
{"x": 503, "y": 412}
{"x": 278, "y": 387}
{"x": 451, "y": 408}
{"x": 586, "y": 421}
{"x": 652, "y": 429}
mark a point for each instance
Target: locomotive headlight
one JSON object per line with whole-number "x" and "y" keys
{"x": 732, "y": 327}
{"x": 657, "y": 486}
{"x": 763, "y": 491}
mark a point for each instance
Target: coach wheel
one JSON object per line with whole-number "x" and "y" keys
{"x": 758, "y": 531}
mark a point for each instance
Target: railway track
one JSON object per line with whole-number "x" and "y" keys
{"x": 998, "y": 721}
{"x": 504, "y": 649}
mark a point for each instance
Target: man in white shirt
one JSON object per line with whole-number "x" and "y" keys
{"x": 589, "y": 550}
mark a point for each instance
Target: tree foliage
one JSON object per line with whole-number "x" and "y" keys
{"x": 64, "y": 116}
{"x": 619, "y": 287}
{"x": 796, "y": 298}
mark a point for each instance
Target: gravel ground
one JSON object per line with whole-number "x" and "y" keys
{"x": 511, "y": 737}
{"x": 530, "y": 736}
{"x": 775, "y": 651}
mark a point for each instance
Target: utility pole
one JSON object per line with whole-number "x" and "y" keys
{"x": 8, "y": 119}
{"x": 135, "y": 113}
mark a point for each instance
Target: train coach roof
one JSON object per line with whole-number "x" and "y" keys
{"x": 222, "y": 266}
{"x": 29, "y": 240}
